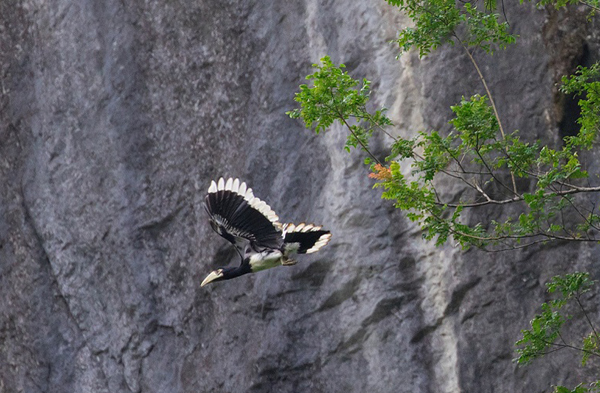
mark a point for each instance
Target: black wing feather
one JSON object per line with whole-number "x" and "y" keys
{"x": 234, "y": 217}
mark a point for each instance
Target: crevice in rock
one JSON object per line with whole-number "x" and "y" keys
{"x": 341, "y": 295}
{"x": 157, "y": 225}
{"x": 46, "y": 258}
{"x": 60, "y": 296}
{"x": 458, "y": 295}
{"x": 425, "y": 330}
{"x": 567, "y": 125}
{"x": 566, "y": 34}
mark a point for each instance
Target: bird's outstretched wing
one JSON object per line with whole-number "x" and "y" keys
{"x": 304, "y": 238}
{"x": 237, "y": 215}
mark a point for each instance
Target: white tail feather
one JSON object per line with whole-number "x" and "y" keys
{"x": 323, "y": 240}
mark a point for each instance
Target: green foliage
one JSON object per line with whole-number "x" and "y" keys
{"x": 553, "y": 191}
{"x": 336, "y": 96}
{"x": 475, "y": 122}
{"x": 593, "y": 387}
{"x": 520, "y": 158}
{"x": 435, "y": 21}
{"x": 484, "y": 30}
{"x": 475, "y": 153}
{"x": 585, "y": 83}
{"x": 438, "y": 21}
{"x": 334, "y": 92}
{"x": 571, "y": 285}
{"x": 407, "y": 193}
{"x": 590, "y": 346}
{"x": 546, "y": 327}
{"x": 592, "y": 4}
{"x": 556, "y": 3}
{"x": 547, "y": 332}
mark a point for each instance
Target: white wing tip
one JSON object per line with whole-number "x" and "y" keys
{"x": 235, "y": 187}
{"x": 242, "y": 189}
{"x": 262, "y": 207}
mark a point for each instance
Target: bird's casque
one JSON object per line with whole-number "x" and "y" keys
{"x": 254, "y": 230}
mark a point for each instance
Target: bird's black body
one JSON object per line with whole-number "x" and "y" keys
{"x": 253, "y": 228}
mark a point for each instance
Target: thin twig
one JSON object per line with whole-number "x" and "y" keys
{"x": 587, "y": 317}
{"x": 572, "y": 347}
{"x": 589, "y": 5}
{"x": 575, "y": 189}
{"x": 520, "y": 197}
{"x": 369, "y": 118}
{"x": 579, "y": 212}
{"x": 504, "y": 13}
{"x": 494, "y": 176}
{"x": 489, "y": 94}
{"x": 356, "y": 136}
{"x": 548, "y": 236}
{"x": 343, "y": 119}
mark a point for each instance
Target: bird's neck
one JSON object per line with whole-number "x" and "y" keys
{"x": 244, "y": 268}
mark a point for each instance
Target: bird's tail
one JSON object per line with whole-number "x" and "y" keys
{"x": 305, "y": 238}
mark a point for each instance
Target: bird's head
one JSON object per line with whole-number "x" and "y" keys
{"x": 225, "y": 273}
{"x": 215, "y": 275}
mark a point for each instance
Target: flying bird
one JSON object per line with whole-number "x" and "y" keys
{"x": 248, "y": 223}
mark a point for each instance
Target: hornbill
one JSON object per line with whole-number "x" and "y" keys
{"x": 248, "y": 223}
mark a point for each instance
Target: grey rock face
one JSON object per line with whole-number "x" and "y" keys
{"x": 116, "y": 115}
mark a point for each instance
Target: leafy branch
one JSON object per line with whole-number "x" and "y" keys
{"x": 477, "y": 154}
{"x": 547, "y": 329}
{"x": 336, "y": 97}
{"x": 556, "y": 197}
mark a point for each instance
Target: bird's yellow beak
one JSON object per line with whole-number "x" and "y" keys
{"x": 212, "y": 277}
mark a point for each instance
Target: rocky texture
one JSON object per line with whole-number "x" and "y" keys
{"x": 116, "y": 115}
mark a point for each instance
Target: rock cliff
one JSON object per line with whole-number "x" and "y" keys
{"x": 115, "y": 116}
